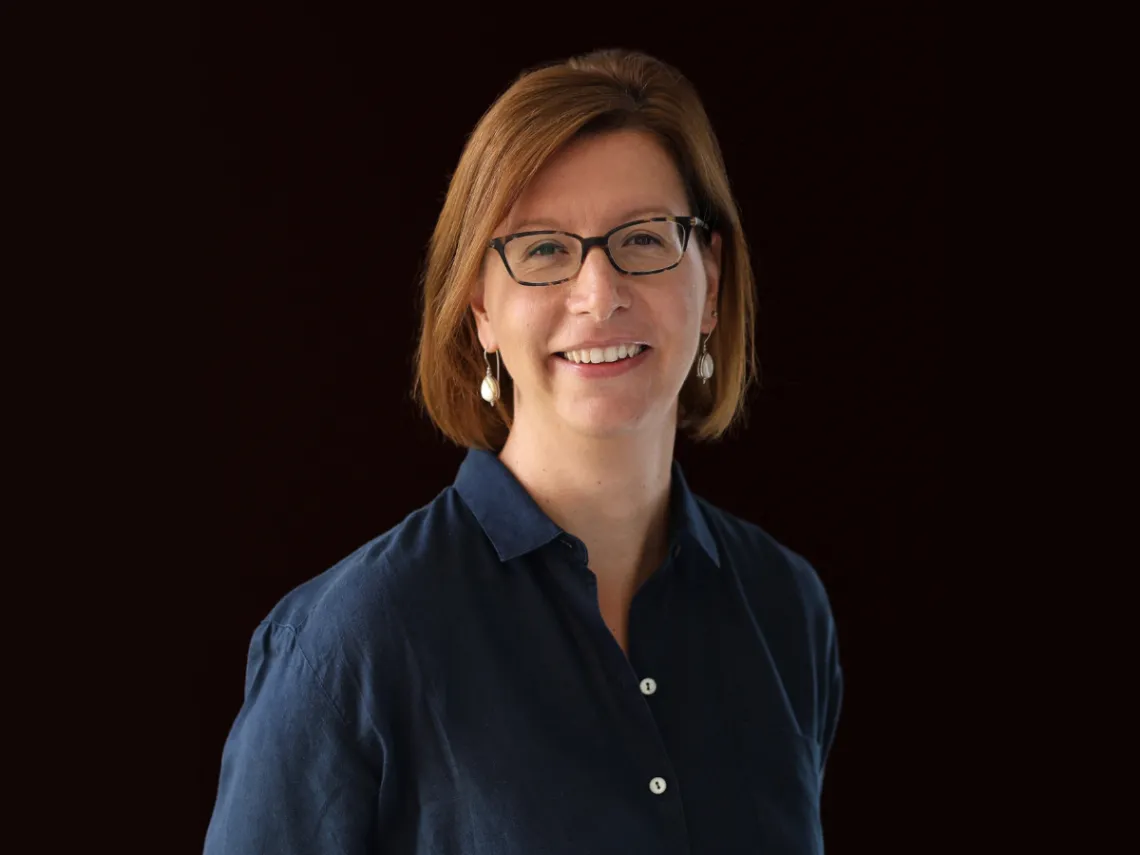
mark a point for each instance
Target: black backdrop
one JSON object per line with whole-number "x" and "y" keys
{"x": 330, "y": 136}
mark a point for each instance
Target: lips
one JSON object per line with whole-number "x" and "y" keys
{"x": 599, "y": 355}
{"x": 602, "y": 370}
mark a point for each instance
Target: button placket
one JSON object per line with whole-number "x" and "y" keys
{"x": 648, "y": 686}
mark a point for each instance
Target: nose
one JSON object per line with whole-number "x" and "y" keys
{"x": 598, "y": 290}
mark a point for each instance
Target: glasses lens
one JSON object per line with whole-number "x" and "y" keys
{"x": 648, "y": 247}
{"x": 544, "y": 257}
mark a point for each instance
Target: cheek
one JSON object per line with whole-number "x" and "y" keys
{"x": 677, "y": 310}
{"x": 527, "y": 320}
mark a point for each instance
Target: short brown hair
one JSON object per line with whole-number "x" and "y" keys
{"x": 545, "y": 109}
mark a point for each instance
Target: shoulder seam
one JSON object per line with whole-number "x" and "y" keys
{"x": 312, "y": 670}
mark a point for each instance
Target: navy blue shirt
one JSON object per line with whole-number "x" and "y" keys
{"x": 451, "y": 687}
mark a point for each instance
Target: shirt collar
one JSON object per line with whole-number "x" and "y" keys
{"x": 516, "y": 525}
{"x": 687, "y": 518}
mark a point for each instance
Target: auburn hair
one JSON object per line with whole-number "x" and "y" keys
{"x": 541, "y": 112}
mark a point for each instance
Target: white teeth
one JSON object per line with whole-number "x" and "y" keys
{"x": 598, "y": 354}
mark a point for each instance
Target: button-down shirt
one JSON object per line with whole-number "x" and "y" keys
{"x": 451, "y": 687}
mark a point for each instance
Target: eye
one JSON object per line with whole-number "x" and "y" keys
{"x": 546, "y": 249}
{"x": 642, "y": 239}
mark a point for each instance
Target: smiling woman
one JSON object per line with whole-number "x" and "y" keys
{"x": 635, "y": 130}
{"x": 566, "y": 651}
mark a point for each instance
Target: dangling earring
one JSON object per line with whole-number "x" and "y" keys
{"x": 705, "y": 363}
{"x": 490, "y": 388}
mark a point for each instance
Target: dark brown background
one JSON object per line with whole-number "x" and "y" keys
{"x": 329, "y": 137}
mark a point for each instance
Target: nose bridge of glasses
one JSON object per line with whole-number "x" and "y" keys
{"x": 603, "y": 244}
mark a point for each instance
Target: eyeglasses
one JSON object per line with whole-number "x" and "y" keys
{"x": 638, "y": 248}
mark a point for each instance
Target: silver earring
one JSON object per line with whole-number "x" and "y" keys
{"x": 490, "y": 388}
{"x": 705, "y": 363}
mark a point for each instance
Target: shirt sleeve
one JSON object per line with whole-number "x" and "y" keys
{"x": 834, "y": 704}
{"x": 293, "y": 777}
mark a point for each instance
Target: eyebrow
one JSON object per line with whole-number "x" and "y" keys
{"x": 628, "y": 216}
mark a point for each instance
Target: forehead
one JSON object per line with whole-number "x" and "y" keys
{"x": 598, "y": 182}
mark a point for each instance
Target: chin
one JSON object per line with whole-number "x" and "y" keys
{"x": 606, "y": 418}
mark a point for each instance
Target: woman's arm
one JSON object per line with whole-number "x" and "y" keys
{"x": 834, "y": 701}
{"x": 294, "y": 778}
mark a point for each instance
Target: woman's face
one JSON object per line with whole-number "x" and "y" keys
{"x": 590, "y": 187}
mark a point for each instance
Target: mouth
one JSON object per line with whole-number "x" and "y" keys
{"x": 602, "y": 363}
{"x": 604, "y": 355}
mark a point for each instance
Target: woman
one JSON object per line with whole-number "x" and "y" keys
{"x": 566, "y": 651}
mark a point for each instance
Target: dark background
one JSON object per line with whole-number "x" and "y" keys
{"x": 329, "y": 136}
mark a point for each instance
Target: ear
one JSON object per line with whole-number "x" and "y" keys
{"x": 482, "y": 318}
{"x": 712, "y": 259}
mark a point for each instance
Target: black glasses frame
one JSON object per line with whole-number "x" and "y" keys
{"x": 588, "y": 243}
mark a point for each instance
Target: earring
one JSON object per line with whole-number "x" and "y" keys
{"x": 490, "y": 388}
{"x": 705, "y": 363}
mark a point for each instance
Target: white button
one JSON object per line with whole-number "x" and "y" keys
{"x": 657, "y": 785}
{"x": 648, "y": 686}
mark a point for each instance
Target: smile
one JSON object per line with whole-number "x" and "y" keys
{"x": 596, "y": 355}
{"x": 600, "y": 363}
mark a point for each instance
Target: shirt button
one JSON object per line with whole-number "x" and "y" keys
{"x": 657, "y": 785}
{"x": 648, "y": 686}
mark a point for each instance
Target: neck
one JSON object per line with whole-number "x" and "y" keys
{"x": 612, "y": 493}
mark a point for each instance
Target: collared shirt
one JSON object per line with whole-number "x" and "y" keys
{"x": 451, "y": 687}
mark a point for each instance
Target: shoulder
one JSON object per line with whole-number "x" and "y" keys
{"x": 357, "y": 609}
{"x": 767, "y": 568}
